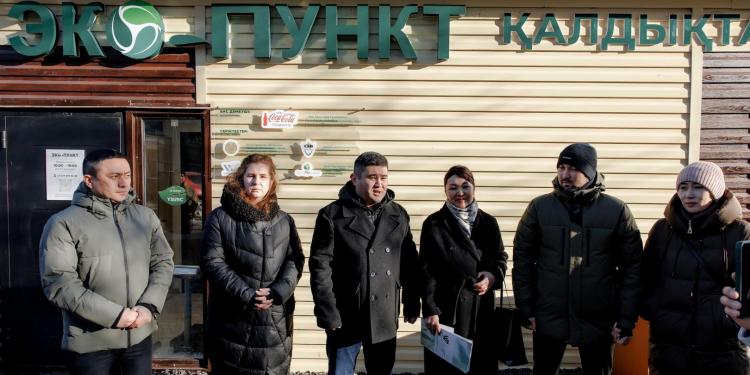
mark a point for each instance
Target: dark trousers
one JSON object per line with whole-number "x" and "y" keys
{"x": 135, "y": 360}
{"x": 596, "y": 358}
{"x": 342, "y": 355}
{"x": 665, "y": 359}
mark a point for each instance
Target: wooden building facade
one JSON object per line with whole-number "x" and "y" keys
{"x": 501, "y": 106}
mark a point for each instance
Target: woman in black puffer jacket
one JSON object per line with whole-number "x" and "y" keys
{"x": 252, "y": 258}
{"x": 687, "y": 260}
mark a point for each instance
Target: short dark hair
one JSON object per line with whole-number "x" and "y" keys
{"x": 367, "y": 159}
{"x": 460, "y": 171}
{"x": 94, "y": 157}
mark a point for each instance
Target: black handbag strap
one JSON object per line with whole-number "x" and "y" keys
{"x": 502, "y": 294}
{"x": 703, "y": 265}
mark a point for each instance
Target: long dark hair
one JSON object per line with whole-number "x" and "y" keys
{"x": 235, "y": 181}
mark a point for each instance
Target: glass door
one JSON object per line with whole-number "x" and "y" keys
{"x": 172, "y": 184}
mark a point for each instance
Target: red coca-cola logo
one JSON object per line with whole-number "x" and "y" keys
{"x": 282, "y": 117}
{"x": 279, "y": 119}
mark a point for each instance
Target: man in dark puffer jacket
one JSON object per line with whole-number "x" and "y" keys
{"x": 576, "y": 257}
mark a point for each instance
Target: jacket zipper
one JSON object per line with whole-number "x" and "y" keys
{"x": 694, "y": 299}
{"x": 263, "y": 260}
{"x": 586, "y": 240}
{"x": 563, "y": 242}
{"x": 125, "y": 260}
{"x": 690, "y": 226}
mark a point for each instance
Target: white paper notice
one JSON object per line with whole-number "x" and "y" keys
{"x": 64, "y": 173}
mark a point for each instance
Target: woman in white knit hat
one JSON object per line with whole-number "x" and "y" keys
{"x": 687, "y": 261}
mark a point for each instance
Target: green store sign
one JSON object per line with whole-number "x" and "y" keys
{"x": 136, "y": 29}
{"x": 173, "y": 195}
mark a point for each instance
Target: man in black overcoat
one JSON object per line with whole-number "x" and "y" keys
{"x": 363, "y": 263}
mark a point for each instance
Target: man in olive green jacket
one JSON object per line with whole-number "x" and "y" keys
{"x": 576, "y": 267}
{"x": 106, "y": 263}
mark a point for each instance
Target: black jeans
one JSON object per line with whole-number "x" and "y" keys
{"x": 135, "y": 360}
{"x": 596, "y": 358}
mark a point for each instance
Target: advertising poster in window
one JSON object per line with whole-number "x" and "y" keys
{"x": 64, "y": 173}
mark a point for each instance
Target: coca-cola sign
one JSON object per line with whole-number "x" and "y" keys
{"x": 279, "y": 119}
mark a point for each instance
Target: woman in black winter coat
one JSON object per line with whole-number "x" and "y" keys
{"x": 687, "y": 261}
{"x": 252, "y": 258}
{"x": 463, "y": 260}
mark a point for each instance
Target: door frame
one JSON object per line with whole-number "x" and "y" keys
{"x": 134, "y": 134}
{"x": 134, "y": 146}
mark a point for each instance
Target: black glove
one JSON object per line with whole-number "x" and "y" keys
{"x": 625, "y": 332}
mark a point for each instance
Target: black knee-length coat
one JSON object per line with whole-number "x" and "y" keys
{"x": 450, "y": 263}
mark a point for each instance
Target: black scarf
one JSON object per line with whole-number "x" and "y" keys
{"x": 240, "y": 210}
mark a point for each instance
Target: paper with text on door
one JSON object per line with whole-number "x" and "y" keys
{"x": 449, "y": 346}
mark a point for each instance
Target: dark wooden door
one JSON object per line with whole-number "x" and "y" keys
{"x": 725, "y": 120}
{"x": 30, "y": 327}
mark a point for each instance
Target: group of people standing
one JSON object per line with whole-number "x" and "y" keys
{"x": 580, "y": 273}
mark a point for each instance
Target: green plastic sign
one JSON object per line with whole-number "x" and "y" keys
{"x": 173, "y": 195}
{"x": 136, "y": 29}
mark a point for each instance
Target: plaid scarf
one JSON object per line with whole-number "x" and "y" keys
{"x": 465, "y": 216}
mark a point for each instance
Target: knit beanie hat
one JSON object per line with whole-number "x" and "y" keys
{"x": 582, "y": 156}
{"x": 705, "y": 173}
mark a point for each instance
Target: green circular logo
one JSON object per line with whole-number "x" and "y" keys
{"x": 136, "y": 29}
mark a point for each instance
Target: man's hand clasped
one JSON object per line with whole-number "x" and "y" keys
{"x": 135, "y": 317}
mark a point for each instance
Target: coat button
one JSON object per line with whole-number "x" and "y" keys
{"x": 388, "y": 272}
{"x": 372, "y": 251}
{"x": 387, "y": 249}
{"x": 372, "y": 274}
{"x": 372, "y": 298}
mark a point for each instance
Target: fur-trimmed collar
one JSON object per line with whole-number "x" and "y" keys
{"x": 720, "y": 214}
{"x": 240, "y": 210}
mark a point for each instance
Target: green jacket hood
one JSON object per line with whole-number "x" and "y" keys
{"x": 100, "y": 207}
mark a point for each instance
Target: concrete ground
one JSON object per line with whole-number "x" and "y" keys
{"x": 514, "y": 371}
